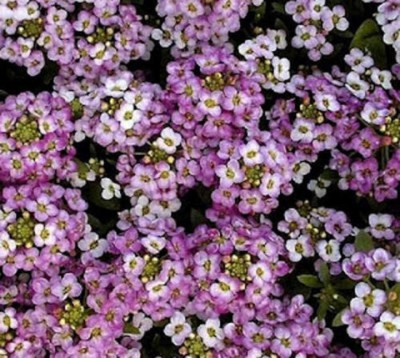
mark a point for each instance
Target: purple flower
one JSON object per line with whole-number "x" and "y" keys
{"x": 380, "y": 263}
{"x": 68, "y": 287}
{"x": 358, "y": 322}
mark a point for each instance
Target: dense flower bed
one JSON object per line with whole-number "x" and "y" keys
{"x": 199, "y": 178}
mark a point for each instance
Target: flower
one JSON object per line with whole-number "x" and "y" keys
{"x": 371, "y": 300}
{"x": 139, "y": 326}
{"x": 109, "y": 189}
{"x": 381, "y": 226}
{"x": 328, "y": 250}
{"x": 178, "y": 329}
{"x": 93, "y": 244}
{"x": 211, "y": 333}
{"x": 388, "y": 326}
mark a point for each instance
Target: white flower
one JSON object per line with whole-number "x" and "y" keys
{"x": 281, "y": 68}
{"x": 92, "y": 243}
{"x": 133, "y": 264}
{"x": 326, "y": 102}
{"x": 381, "y": 78}
{"x": 166, "y": 208}
{"x": 178, "y": 329}
{"x": 388, "y": 327}
{"x": 169, "y": 140}
{"x": 250, "y": 153}
{"x": 328, "y": 250}
{"x": 79, "y": 178}
{"x": 76, "y": 180}
{"x": 157, "y": 290}
{"x": 163, "y": 36}
{"x": 356, "y": 85}
{"x": 211, "y": 333}
{"x": 153, "y": 244}
{"x": 144, "y": 208}
{"x": 246, "y": 49}
{"x": 302, "y": 131}
{"x": 6, "y": 245}
{"x": 299, "y": 248}
{"x": 371, "y": 114}
{"x": 115, "y": 87}
{"x": 110, "y": 189}
{"x": 44, "y": 235}
{"x": 319, "y": 186}
{"x": 140, "y": 325}
{"x": 127, "y": 115}
{"x": 299, "y": 171}
{"x": 7, "y": 320}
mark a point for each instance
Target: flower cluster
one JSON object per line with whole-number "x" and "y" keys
{"x": 315, "y": 22}
{"x": 275, "y": 71}
{"x": 40, "y": 226}
{"x": 97, "y": 37}
{"x": 199, "y": 178}
{"x": 36, "y": 138}
{"x": 190, "y": 24}
{"x": 354, "y": 116}
{"x": 118, "y": 110}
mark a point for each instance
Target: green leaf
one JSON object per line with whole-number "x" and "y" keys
{"x": 196, "y": 217}
{"x": 337, "y": 320}
{"x": 324, "y": 273}
{"x": 322, "y": 309}
{"x": 204, "y": 194}
{"x": 345, "y": 284}
{"x": 368, "y": 37}
{"x": 259, "y": 12}
{"x": 344, "y": 34}
{"x": 310, "y": 281}
{"x": 129, "y": 328}
{"x": 94, "y": 196}
{"x": 363, "y": 242}
{"x": 161, "y": 323}
{"x": 278, "y": 7}
{"x": 329, "y": 174}
{"x": 280, "y": 25}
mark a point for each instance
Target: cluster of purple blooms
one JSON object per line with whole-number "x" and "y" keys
{"x": 88, "y": 37}
{"x": 118, "y": 110}
{"x": 223, "y": 289}
{"x": 36, "y": 135}
{"x": 354, "y": 115}
{"x": 190, "y": 24}
{"x": 315, "y": 22}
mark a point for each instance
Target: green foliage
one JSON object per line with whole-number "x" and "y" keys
{"x": 363, "y": 242}
{"x": 310, "y": 281}
{"x": 324, "y": 273}
{"x": 196, "y": 217}
{"x": 369, "y": 37}
{"x": 337, "y": 320}
{"x": 278, "y": 7}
